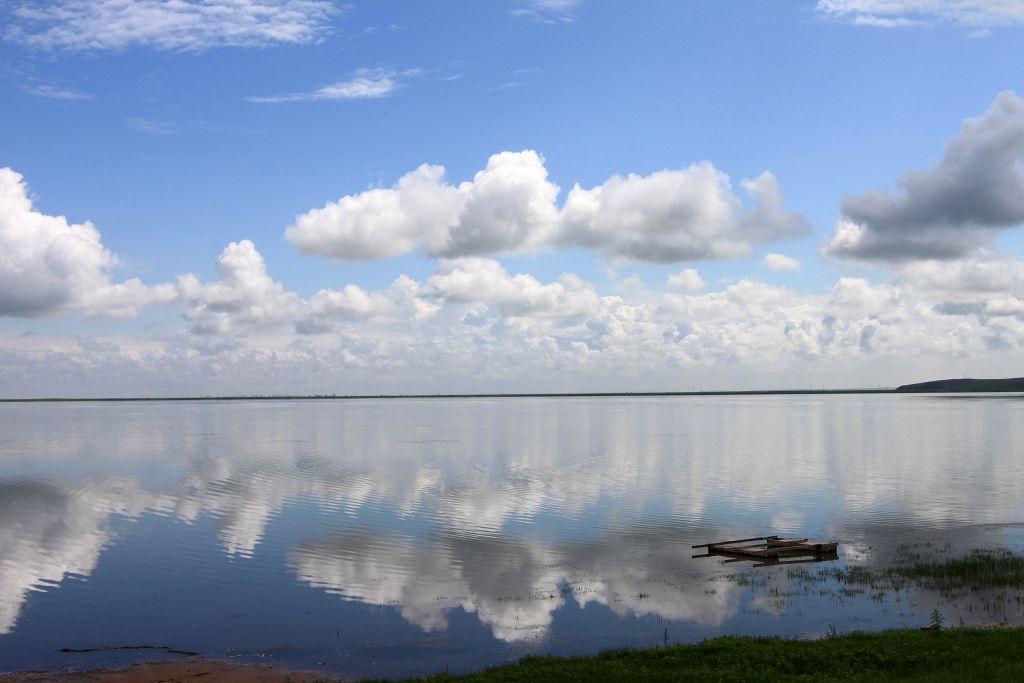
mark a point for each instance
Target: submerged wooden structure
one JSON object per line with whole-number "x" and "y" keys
{"x": 764, "y": 551}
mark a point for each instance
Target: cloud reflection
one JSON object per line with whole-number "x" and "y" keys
{"x": 515, "y": 586}
{"x": 48, "y": 532}
{"x": 508, "y": 510}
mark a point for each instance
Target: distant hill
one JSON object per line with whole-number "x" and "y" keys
{"x": 961, "y": 385}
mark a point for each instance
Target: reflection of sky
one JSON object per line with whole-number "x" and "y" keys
{"x": 515, "y": 586}
{"x": 511, "y": 511}
{"x": 48, "y": 531}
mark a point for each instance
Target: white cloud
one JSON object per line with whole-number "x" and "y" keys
{"x": 484, "y": 329}
{"x": 381, "y": 222}
{"x": 473, "y": 324}
{"x": 364, "y": 84}
{"x": 48, "y": 265}
{"x": 972, "y": 287}
{"x": 548, "y": 11}
{"x": 687, "y": 280}
{"x": 507, "y": 85}
{"x": 897, "y": 13}
{"x": 328, "y": 310}
{"x": 245, "y": 299}
{"x": 485, "y": 281}
{"x": 967, "y": 276}
{"x": 769, "y": 221}
{"x": 190, "y": 25}
{"x": 141, "y": 124}
{"x": 773, "y": 261}
{"x": 678, "y": 215}
{"x": 53, "y": 92}
{"x": 510, "y": 206}
{"x": 950, "y": 211}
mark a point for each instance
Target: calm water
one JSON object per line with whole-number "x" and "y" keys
{"x": 406, "y": 536}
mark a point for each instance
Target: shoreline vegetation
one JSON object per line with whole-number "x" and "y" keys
{"x": 936, "y": 654}
{"x": 932, "y": 653}
{"x": 965, "y": 385}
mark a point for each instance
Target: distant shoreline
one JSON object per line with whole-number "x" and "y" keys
{"x": 952, "y": 386}
{"x": 357, "y": 397}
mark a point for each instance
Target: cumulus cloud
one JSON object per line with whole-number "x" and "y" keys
{"x": 516, "y": 332}
{"x": 687, "y": 280}
{"x": 773, "y": 261}
{"x": 364, "y": 84}
{"x": 671, "y": 216}
{"x": 48, "y": 265}
{"x": 950, "y": 211}
{"x": 328, "y": 310}
{"x": 982, "y": 288}
{"x": 967, "y": 276}
{"x": 189, "y": 25}
{"x": 245, "y": 299}
{"x": 381, "y": 222}
{"x": 897, "y": 13}
{"x": 498, "y": 327}
{"x": 510, "y": 206}
{"x": 477, "y": 280}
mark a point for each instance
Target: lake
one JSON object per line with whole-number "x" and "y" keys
{"x": 402, "y": 537}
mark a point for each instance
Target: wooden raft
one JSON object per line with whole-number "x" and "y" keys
{"x": 769, "y": 550}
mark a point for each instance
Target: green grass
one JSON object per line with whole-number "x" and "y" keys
{"x": 946, "y": 655}
{"x": 980, "y": 570}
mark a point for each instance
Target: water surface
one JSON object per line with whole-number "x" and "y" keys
{"x": 392, "y": 537}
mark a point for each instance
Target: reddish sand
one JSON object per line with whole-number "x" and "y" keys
{"x": 167, "y": 672}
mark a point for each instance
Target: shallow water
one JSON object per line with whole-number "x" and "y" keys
{"x": 392, "y": 537}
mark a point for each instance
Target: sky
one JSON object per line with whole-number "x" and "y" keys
{"x": 213, "y": 197}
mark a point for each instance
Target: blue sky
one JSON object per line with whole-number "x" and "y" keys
{"x": 177, "y": 129}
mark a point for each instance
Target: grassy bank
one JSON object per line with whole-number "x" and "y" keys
{"x": 951, "y": 654}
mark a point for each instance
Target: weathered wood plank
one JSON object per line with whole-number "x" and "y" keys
{"x": 751, "y": 554}
{"x": 786, "y": 541}
{"x": 771, "y": 550}
{"x": 738, "y": 540}
{"x": 777, "y": 561}
{"x": 716, "y": 546}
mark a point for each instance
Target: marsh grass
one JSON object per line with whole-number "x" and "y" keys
{"x": 980, "y": 570}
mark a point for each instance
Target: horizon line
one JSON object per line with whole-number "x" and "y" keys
{"x": 351, "y": 397}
